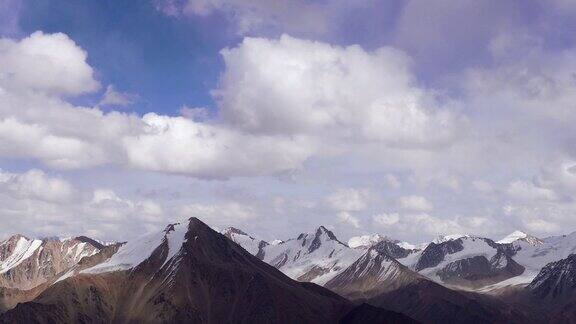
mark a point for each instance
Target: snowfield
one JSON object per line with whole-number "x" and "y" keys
{"x": 137, "y": 251}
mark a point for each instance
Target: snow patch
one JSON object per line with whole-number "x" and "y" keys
{"x": 365, "y": 241}
{"x": 513, "y": 237}
{"x": 446, "y": 238}
{"x": 23, "y": 250}
{"x": 135, "y": 252}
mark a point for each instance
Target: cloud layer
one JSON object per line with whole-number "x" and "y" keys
{"x": 404, "y": 123}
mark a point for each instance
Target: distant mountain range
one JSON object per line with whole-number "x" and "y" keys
{"x": 189, "y": 273}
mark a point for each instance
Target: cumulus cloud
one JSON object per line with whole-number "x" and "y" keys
{"x": 422, "y": 223}
{"x": 529, "y": 192}
{"x": 113, "y": 207}
{"x": 37, "y": 123}
{"x": 39, "y": 204}
{"x": 326, "y": 115}
{"x": 292, "y": 86}
{"x": 347, "y": 218}
{"x": 415, "y": 203}
{"x": 220, "y": 214}
{"x": 281, "y": 102}
{"x": 180, "y": 145}
{"x": 386, "y": 219}
{"x": 50, "y": 63}
{"x": 349, "y": 199}
{"x": 35, "y": 184}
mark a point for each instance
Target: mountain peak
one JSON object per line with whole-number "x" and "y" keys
{"x": 514, "y": 236}
{"x": 520, "y": 236}
{"x": 366, "y": 241}
{"x": 451, "y": 237}
{"x": 16, "y": 237}
{"x": 249, "y": 243}
{"x": 323, "y": 230}
{"x": 86, "y": 239}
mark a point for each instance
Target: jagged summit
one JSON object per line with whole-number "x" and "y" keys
{"x": 321, "y": 233}
{"x": 315, "y": 257}
{"x": 323, "y": 230}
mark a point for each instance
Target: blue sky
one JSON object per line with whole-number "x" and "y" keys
{"x": 168, "y": 62}
{"x": 403, "y": 117}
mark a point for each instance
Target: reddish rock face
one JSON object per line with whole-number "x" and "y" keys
{"x": 27, "y": 263}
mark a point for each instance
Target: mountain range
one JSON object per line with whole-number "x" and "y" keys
{"x": 190, "y": 273}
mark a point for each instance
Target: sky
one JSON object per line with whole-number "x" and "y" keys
{"x": 408, "y": 118}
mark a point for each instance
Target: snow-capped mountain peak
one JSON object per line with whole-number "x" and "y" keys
{"x": 26, "y": 263}
{"x": 451, "y": 237}
{"x": 15, "y": 250}
{"x": 249, "y": 243}
{"x": 516, "y": 235}
{"x": 316, "y": 256}
{"x": 374, "y": 272}
{"x": 276, "y": 242}
{"x": 133, "y": 253}
{"x": 520, "y": 236}
{"x": 366, "y": 241}
{"x": 322, "y": 235}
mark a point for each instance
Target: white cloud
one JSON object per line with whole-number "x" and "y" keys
{"x": 347, "y": 218}
{"x": 35, "y": 184}
{"x": 432, "y": 225}
{"x": 541, "y": 226}
{"x": 438, "y": 178}
{"x": 386, "y": 219}
{"x": 349, "y": 199}
{"x": 220, "y": 214}
{"x": 543, "y": 219}
{"x": 559, "y": 176}
{"x": 180, "y": 145}
{"x": 528, "y": 192}
{"x": 37, "y": 123}
{"x": 529, "y": 83}
{"x": 482, "y": 186}
{"x": 112, "y": 97}
{"x": 291, "y": 86}
{"x": 333, "y": 114}
{"x": 420, "y": 224}
{"x": 415, "y": 203}
{"x": 112, "y": 207}
{"x": 38, "y": 204}
{"x": 50, "y": 63}
{"x": 392, "y": 181}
